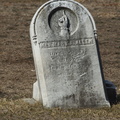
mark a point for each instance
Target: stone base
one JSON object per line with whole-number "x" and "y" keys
{"x": 29, "y": 100}
{"x": 36, "y": 92}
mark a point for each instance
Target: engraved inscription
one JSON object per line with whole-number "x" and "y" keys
{"x": 72, "y": 56}
{"x": 67, "y": 67}
{"x": 62, "y": 43}
{"x": 67, "y": 60}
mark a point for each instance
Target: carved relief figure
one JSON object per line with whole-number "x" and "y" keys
{"x": 63, "y": 22}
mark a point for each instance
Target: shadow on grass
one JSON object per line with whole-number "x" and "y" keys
{"x": 118, "y": 98}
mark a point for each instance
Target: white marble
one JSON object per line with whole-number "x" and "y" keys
{"x": 64, "y": 43}
{"x": 37, "y": 92}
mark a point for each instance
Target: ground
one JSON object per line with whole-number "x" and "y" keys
{"x": 17, "y": 73}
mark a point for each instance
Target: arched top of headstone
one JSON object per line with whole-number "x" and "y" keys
{"x": 53, "y": 12}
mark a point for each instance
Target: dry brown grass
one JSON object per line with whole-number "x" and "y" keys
{"x": 19, "y": 110}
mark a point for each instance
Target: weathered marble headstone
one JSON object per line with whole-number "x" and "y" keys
{"x": 64, "y": 43}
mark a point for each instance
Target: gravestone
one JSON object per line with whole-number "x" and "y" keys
{"x": 64, "y": 43}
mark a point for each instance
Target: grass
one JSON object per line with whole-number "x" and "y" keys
{"x": 19, "y": 110}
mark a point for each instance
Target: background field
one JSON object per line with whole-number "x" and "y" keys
{"x": 17, "y": 73}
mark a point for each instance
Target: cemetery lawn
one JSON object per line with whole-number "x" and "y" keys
{"x": 17, "y": 72}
